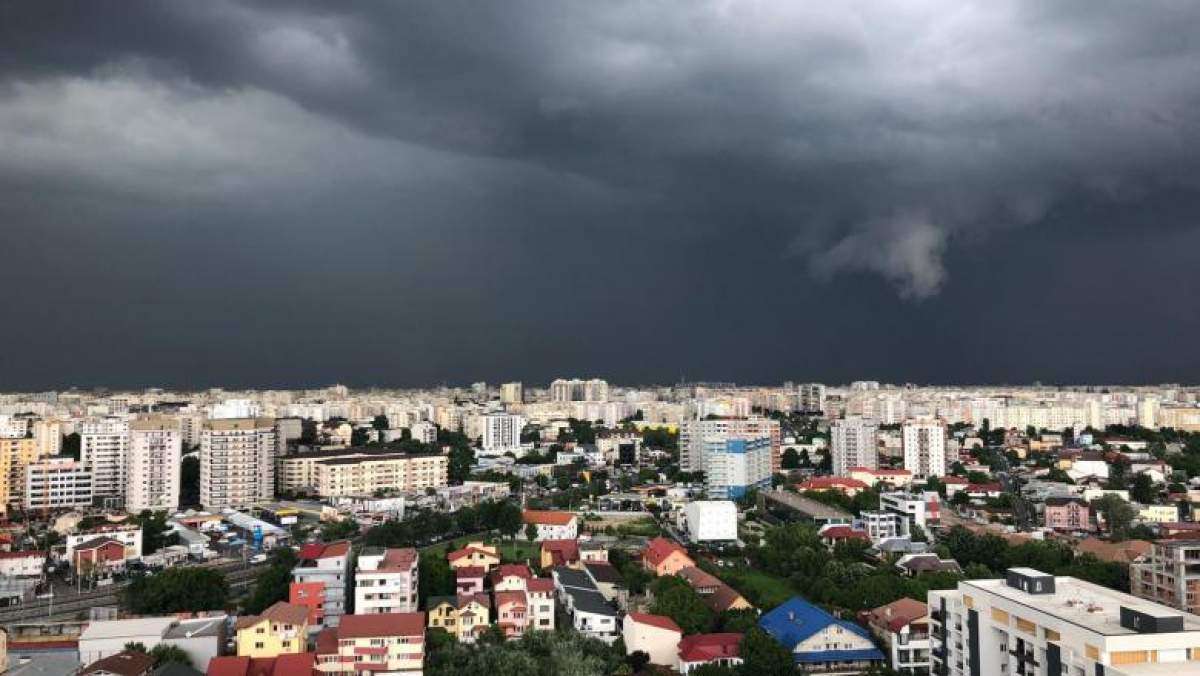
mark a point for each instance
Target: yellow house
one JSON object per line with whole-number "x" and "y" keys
{"x": 475, "y": 554}
{"x": 463, "y": 617}
{"x": 281, "y": 629}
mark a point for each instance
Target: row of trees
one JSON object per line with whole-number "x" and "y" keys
{"x": 424, "y": 527}
{"x": 990, "y": 555}
{"x": 174, "y": 590}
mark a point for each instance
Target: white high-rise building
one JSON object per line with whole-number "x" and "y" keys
{"x": 511, "y": 393}
{"x": 104, "y": 450}
{"x": 923, "y": 441}
{"x": 237, "y": 462}
{"x": 48, "y": 436}
{"x": 693, "y": 435}
{"x": 155, "y": 446}
{"x": 502, "y": 432}
{"x": 853, "y": 443}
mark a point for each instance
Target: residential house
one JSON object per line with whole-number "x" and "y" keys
{"x": 299, "y": 664}
{"x": 656, "y": 635}
{"x": 281, "y": 629}
{"x": 469, "y": 580}
{"x": 700, "y": 649}
{"x": 475, "y": 555}
{"x": 463, "y": 616}
{"x": 512, "y": 612}
{"x": 592, "y": 552}
{"x": 124, "y": 663}
{"x": 511, "y": 577}
{"x": 717, "y": 595}
{"x": 539, "y": 594}
{"x": 608, "y": 581}
{"x": 820, "y": 642}
{"x": 590, "y": 613}
{"x": 903, "y": 627}
{"x": 22, "y": 564}
{"x": 664, "y": 557}
{"x": 913, "y": 565}
{"x": 850, "y": 487}
{"x": 201, "y": 638}
{"x": 386, "y": 643}
{"x": 1067, "y": 514}
{"x": 559, "y": 553}
{"x": 551, "y": 525}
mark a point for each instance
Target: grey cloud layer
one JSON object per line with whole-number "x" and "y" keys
{"x": 874, "y": 133}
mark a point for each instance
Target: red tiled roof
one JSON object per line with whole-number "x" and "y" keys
{"x": 381, "y": 624}
{"x": 124, "y": 663}
{"x": 506, "y": 597}
{"x": 708, "y": 647}
{"x": 660, "y": 621}
{"x": 399, "y": 559}
{"x": 317, "y": 550}
{"x": 228, "y": 665}
{"x": 984, "y": 488}
{"x": 561, "y": 551}
{"x": 831, "y": 483}
{"x": 467, "y": 551}
{"x": 512, "y": 569}
{"x": 843, "y": 533}
{"x": 540, "y": 584}
{"x": 546, "y": 517}
{"x": 658, "y": 549}
{"x": 899, "y": 613}
{"x": 951, "y": 479}
{"x": 470, "y": 572}
{"x": 296, "y": 664}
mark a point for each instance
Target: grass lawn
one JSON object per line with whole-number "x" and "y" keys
{"x": 763, "y": 589}
{"x": 510, "y": 551}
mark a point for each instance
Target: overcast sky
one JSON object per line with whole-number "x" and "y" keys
{"x": 403, "y": 193}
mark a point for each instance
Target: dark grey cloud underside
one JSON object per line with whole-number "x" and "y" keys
{"x": 631, "y": 189}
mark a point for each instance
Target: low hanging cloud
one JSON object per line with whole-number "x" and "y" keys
{"x": 870, "y": 134}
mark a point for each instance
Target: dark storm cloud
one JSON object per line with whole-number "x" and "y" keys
{"x": 841, "y": 137}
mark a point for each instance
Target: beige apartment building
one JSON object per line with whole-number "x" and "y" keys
{"x": 237, "y": 462}
{"x": 362, "y": 472}
{"x": 15, "y": 455}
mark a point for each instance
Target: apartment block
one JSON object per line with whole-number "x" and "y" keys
{"x": 386, "y": 581}
{"x": 59, "y": 483}
{"x": 1170, "y": 575}
{"x": 355, "y": 472}
{"x": 695, "y": 435}
{"x": 853, "y": 443}
{"x": 320, "y": 582}
{"x": 104, "y": 448}
{"x": 16, "y": 454}
{"x": 391, "y": 644}
{"x": 1034, "y": 624}
{"x": 924, "y": 444}
{"x": 237, "y": 462}
{"x": 155, "y": 446}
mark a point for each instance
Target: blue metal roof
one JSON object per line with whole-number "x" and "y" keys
{"x": 797, "y": 620}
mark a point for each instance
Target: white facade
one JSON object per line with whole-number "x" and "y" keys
{"x": 129, "y": 536}
{"x": 734, "y": 467}
{"x": 237, "y": 462}
{"x": 423, "y": 431}
{"x": 1063, "y": 624}
{"x": 155, "y": 446}
{"x": 57, "y": 484}
{"x": 386, "y": 581}
{"x": 502, "y": 432}
{"x": 924, "y": 444}
{"x": 711, "y": 520}
{"x": 104, "y": 449}
{"x": 853, "y": 443}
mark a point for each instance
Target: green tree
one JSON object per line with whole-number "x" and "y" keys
{"x": 272, "y": 584}
{"x": 676, "y": 599}
{"x": 531, "y": 532}
{"x": 737, "y": 621}
{"x": 1143, "y": 489}
{"x": 791, "y": 459}
{"x": 380, "y": 422}
{"x": 509, "y": 522}
{"x": 762, "y": 655}
{"x": 1118, "y": 514}
{"x": 339, "y": 529}
{"x": 186, "y": 589}
{"x": 154, "y": 530}
{"x": 165, "y": 652}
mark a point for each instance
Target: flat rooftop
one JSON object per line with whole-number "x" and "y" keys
{"x": 1084, "y": 604}
{"x": 807, "y": 506}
